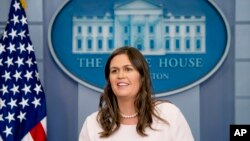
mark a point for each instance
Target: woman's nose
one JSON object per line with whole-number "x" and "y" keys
{"x": 121, "y": 74}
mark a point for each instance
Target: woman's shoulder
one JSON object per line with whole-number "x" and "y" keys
{"x": 91, "y": 119}
{"x": 166, "y": 105}
{"x": 94, "y": 114}
{"x": 166, "y": 109}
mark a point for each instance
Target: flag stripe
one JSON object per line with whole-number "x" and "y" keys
{"x": 27, "y": 137}
{"x": 44, "y": 124}
{"x": 37, "y": 133}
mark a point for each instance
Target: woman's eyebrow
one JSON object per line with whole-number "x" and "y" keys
{"x": 129, "y": 65}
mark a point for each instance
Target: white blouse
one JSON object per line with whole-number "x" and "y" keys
{"x": 177, "y": 128}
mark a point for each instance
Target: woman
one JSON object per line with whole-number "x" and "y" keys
{"x": 127, "y": 111}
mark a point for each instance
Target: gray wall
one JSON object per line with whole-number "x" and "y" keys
{"x": 217, "y": 93}
{"x": 223, "y": 99}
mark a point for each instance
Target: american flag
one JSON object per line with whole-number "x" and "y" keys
{"x": 22, "y": 99}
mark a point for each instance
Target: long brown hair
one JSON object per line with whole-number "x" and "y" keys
{"x": 108, "y": 116}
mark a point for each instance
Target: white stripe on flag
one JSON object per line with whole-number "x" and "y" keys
{"x": 27, "y": 137}
{"x": 44, "y": 124}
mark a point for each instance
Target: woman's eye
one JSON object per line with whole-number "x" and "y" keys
{"x": 113, "y": 71}
{"x": 128, "y": 69}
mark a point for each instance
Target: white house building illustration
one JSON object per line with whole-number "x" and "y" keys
{"x": 141, "y": 24}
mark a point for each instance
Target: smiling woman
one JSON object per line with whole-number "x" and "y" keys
{"x": 124, "y": 78}
{"x": 127, "y": 110}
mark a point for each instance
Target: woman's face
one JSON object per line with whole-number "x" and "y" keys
{"x": 124, "y": 78}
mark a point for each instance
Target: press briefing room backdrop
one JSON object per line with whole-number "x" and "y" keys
{"x": 212, "y": 95}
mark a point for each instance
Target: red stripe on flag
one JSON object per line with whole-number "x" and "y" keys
{"x": 38, "y": 133}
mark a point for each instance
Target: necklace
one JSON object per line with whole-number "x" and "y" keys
{"x": 128, "y": 116}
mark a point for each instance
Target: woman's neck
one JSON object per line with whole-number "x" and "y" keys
{"x": 126, "y": 107}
